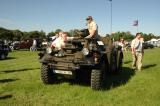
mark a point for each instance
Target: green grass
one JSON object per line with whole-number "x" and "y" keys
{"x": 20, "y": 84}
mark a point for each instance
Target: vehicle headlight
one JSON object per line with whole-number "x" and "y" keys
{"x": 85, "y": 51}
{"x": 49, "y": 50}
{"x": 90, "y": 46}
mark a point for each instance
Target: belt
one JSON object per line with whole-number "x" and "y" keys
{"x": 139, "y": 51}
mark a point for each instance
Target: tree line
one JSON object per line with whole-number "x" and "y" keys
{"x": 6, "y": 34}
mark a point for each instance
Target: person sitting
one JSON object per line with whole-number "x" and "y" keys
{"x": 55, "y": 36}
{"x": 59, "y": 42}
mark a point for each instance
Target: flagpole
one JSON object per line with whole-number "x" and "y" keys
{"x": 111, "y": 18}
{"x": 137, "y": 25}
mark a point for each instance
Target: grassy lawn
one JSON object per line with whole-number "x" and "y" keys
{"x": 20, "y": 84}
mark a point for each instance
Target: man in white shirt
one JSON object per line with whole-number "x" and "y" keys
{"x": 92, "y": 28}
{"x": 137, "y": 52}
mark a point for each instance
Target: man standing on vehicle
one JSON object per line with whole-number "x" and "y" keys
{"x": 137, "y": 52}
{"x": 92, "y": 28}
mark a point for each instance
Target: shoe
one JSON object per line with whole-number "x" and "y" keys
{"x": 133, "y": 68}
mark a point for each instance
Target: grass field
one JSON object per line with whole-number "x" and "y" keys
{"x": 20, "y": 84}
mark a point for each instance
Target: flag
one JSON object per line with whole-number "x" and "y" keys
{"x": 135, "y": 23}
{"x": 110, "y": 0}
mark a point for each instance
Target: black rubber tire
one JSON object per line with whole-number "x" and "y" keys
{"x": 114, "y": 62}
{"x": 120, "y": 62}
{"x": 96, "y": 79}
{"x": 104, "y": 72}
{"x": 47, "y": 74}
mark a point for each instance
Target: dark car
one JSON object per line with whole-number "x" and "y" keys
{"x": 25, "y": 44}
{"x": 147, "y": 45}
{"x": 15, "y": 45}
{"x": 4, "y": 50}
{"x": 77, "y": 61}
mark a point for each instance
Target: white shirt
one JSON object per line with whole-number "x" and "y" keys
{"x": 58, "y": 43}
{"x": 93, "y": 26}
{"x": 34, "y": 42}
{"x": 122, "y": 45}
{"x": 137, "y": 45}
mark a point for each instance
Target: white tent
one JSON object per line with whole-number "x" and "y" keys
{"x": 154, "y": 40}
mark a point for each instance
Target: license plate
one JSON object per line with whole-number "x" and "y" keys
{"x": 100, "y": 43}
{"x": 62, "y": 72}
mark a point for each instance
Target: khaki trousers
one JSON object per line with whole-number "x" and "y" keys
{"x": 137, "y": 60}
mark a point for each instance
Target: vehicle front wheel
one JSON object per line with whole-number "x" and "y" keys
{"x": 47, "y": 75}
{"x": 96, "y": 79}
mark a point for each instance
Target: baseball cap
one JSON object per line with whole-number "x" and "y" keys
{"x": 89, "y": 17}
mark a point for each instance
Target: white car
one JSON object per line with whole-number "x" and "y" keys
{"x": 158, "y": 44}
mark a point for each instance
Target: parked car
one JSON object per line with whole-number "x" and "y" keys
{"x": 25, "y": 44}
{"x": 147, "y": 45}
{"x": 14, "y": 45}
{"x": 4, "y": 50}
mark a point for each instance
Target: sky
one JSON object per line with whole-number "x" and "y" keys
{"x": 49, "y": 15}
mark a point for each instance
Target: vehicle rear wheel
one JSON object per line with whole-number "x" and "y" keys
{"x": 120, "y": 62}
{"x": 114, "y": 62}
{"x": 47, "y": 74}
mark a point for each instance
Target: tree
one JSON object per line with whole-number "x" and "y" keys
{"x": 6, "y": 34}
{"x": 75, "y": 33}
{"x": 17, "y": 34}
{"x": 58, "y": 30}
{"x": 50, "y": 34}
{"x": 42, "y": 34}
{"x": 126, "y": 35}
{"x": 34, "y": 34}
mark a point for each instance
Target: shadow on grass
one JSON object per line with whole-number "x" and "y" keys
{"x": 8, "y": 58}
{"x": 19, "y": 70}
{"x": 7, "y": 80}
{"x": 83, "y": 79}
{"x": 5, "y": 97}
{"x": 127, "y": 62}
{"x": 148, "y": 66}
{"x": 113, "y": 81}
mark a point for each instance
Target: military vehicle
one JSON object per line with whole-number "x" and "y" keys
{"x": 98, "y": 58}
